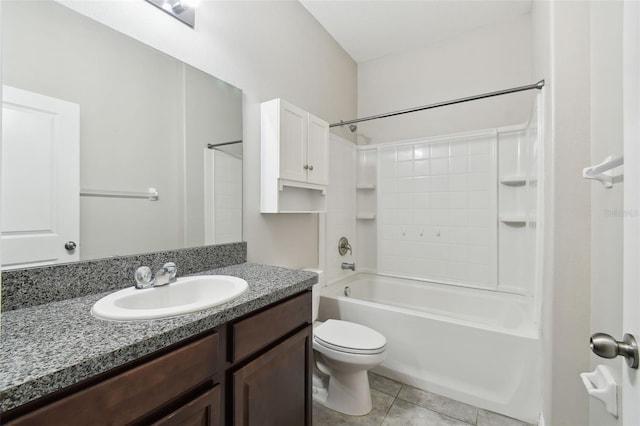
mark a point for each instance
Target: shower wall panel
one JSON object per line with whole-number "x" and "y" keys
{"x": 223, "y": 199}
{"x": 437, "y": 207}
{"x": 341, "y": 207}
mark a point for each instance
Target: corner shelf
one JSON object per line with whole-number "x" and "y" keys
{"x": 514, "y": 219}
{"x": 366, "y": 216}
{"x": 366, "y": 186}
{"x": 515, "y": 180}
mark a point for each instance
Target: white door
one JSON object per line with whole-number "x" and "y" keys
{"x": 631, "y": 276}
{"x": 40, "y": 179}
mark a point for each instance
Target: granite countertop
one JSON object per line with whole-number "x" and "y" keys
{"x": 48, "y": 347}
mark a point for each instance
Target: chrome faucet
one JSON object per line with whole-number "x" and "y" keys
{"x": 349, "y": 265}
{"x": 165, "y": 275}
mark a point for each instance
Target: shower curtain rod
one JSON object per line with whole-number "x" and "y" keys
{"x": 213, "y": 145}
{"x": 539, "y": 85}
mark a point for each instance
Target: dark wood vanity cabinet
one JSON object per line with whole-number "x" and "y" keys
{"x": 271, "y": 383}
{"x": 165, "y": 387}
{"x": 255, "y": 370}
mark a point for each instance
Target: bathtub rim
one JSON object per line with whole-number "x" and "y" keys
{"x": 530, "y": 329}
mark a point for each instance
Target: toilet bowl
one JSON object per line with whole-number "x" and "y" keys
{"x": 343, "y": 353}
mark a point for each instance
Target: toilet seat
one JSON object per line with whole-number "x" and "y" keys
{"x": 349, "y": 337}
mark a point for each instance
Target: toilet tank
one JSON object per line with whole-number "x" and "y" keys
{"x": 315, "y": 292}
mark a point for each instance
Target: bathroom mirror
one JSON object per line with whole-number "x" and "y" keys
{"x": 145, "y": 122}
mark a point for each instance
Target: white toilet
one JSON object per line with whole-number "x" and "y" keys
{"x": 343, "y": 352}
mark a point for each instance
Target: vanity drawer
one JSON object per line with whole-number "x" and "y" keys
{"x": 259, "y": 330}
{"x": 132, "y": 394}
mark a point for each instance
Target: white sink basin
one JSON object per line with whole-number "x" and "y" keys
{"x": 188, "y": 294}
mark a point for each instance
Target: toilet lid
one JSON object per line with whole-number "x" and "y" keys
{"x": 349, "y": 337}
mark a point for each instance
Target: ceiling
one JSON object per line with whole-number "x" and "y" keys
{"x": 371, "y": 29}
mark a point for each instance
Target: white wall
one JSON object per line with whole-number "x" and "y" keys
{"x": 561, "y": 56}
{"x": 488, "y": 59}
{"x": 267, "y": 49}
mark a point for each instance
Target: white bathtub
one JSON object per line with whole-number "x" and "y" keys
{"x": 476, "y": 346}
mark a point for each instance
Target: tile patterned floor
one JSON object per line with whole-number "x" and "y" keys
{"x": 397, "y": 404}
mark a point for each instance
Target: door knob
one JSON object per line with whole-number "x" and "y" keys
{"x": 70, "y": 245}
{"x": 607, "y": 347}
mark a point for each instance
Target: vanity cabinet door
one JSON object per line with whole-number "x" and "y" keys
{"x": 201, "y": 411}
{"x": 274, "y": 389}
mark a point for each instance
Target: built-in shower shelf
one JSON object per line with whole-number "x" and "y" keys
{"x": 366, "y": 186}
{"x": 515, "y": 180}
{"x": 514, "y": 219}
{"x": 366, "y": 216}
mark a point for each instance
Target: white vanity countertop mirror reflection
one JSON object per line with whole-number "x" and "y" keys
{"x": 145, "y": 120}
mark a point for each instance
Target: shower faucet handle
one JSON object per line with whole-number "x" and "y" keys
{"x": 344, "y": 246}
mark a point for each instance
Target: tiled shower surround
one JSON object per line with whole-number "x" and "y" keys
{"x": 437, "y": 209}
{"x": 457, "y": 209}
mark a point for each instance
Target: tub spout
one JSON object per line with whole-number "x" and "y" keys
{"x": 347, "y": 265}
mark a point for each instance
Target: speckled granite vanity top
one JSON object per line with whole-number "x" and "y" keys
{"x": 51, "y": 346}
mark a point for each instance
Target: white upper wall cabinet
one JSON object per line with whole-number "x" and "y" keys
{"x": 294, "y": 159}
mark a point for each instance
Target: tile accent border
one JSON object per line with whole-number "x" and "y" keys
{"x": 22, "y": 288}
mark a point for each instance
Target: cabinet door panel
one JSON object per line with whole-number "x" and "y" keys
{"x": 293, "y": 147}
{"x": 318, "y": 151}
{"x": 275, "y": 388}
{"x": 201, "y": 411}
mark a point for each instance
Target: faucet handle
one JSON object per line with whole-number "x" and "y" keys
{"x": 171, "y": 269}
{"x": 344, "y": 246}
{"x": 143, "y": 276}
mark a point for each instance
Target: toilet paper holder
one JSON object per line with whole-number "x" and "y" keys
{"x": 601, "y": 385}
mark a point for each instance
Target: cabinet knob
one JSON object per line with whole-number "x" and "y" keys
{"x": 70, "y": 245}
{"x": 310, "y": 167}
{"x": 306, "y": 167}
